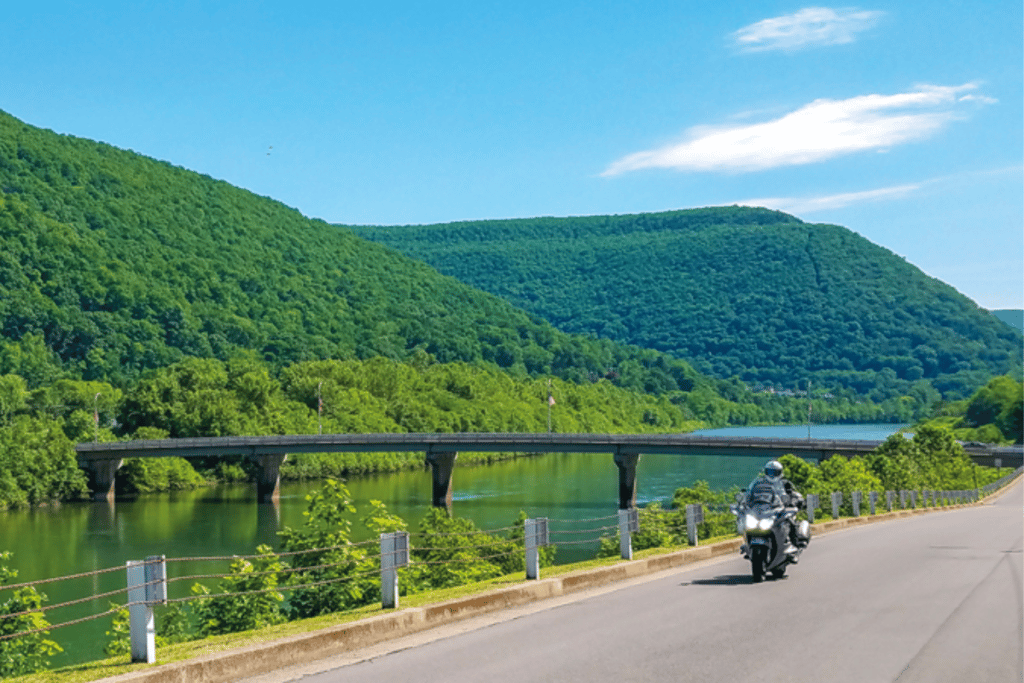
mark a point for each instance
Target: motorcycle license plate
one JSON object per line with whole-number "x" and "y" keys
{"x": 757, "y": 540}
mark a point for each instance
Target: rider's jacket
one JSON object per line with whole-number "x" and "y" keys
{"x": 765, "y": 491}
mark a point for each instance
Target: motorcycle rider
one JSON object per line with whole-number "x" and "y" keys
{"x": 771, "y": 484}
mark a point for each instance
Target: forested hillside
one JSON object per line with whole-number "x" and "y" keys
{"x": 736, "y": 291}
{"x": 112, "y": 263}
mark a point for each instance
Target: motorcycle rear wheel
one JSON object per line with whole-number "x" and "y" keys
{"x": 758, "y": 560}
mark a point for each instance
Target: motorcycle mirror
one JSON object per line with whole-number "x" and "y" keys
{"x": 739, "y": 497}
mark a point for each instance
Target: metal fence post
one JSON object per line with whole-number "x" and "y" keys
{"x": 811, "y": 504}
{"x": 889, "y": 495}
{"x": 535, "y": 533}
{"x": 855, "y": 497}
{"x": 913, "y": 499}
{"x": 629, "y": 521}
{"x": 394, "y": 553}
{"x": 873, "y": 501}
{"x": 837, "y": 500}
{"x": 903, "y": 499}
{"x": 694, "y": 516}
{"x": 147, "y": 586}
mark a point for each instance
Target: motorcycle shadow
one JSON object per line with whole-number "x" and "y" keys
{"x": 729, "y": 580}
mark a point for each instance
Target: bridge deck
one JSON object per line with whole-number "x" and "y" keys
{"x": 269, "y": 452}
{"x": 677, "y": 444}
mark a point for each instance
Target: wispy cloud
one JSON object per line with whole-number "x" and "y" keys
{"x": 805, "y": 205}
{"x": 813, "y": 133}
{"x": 811, "y": 26}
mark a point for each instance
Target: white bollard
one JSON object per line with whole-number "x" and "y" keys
{"x": 147, "y": 585}
{"x": 535, "y": 534}
{"x": 628, "y": 522}
{"x": 394, "y": 553}
{"x": 694, "y": 516}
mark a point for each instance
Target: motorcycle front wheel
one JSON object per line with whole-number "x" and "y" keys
{"x": 758, "y": 560}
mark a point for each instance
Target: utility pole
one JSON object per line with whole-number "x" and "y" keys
{"x": 319, "y": 410}
{"x": 96, "y": 417}
{"x": 551, "y": 402}
{"x": 809, "y": 404}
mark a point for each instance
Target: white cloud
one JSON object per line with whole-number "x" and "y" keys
{"x": 983, "y": 99}
{"x": 805, "y": 205}
{"x": 810, "y": 26}
{"x": 813, "y": 133}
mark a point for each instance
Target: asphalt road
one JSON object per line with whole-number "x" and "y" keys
{"x": 931, "y": 598}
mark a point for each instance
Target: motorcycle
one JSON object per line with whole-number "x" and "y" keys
{"x": 765, "y": 524}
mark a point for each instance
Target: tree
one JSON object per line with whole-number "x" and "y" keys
{"x": 324, "y": 554}
{"x": 805, "y": 477}
{"x": 932, "y": 460}
{"x": 459, "y": 553}
{"x": 37, "y": 463}
{"x": 848, "y": 475}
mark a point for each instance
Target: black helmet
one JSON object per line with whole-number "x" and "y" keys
{"x": 773, "y": 469}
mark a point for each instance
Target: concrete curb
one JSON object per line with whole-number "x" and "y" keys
{"x": 253, "y": 660}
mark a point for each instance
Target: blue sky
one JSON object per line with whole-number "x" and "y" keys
{"x": 900, "y": 121}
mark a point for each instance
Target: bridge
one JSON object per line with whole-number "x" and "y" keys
{"x": 102, "y": 460}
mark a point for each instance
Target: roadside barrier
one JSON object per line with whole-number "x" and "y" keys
{"x": 148, "y": 582}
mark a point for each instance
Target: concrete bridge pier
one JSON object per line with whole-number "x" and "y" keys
{"x": 268, "y": 479}
{"x": 626, "y": 463}
{"x": 102, "y": 475}
{"x": 442, "y": 464}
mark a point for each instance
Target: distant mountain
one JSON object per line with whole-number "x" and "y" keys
{"x": 1012, "y": 317}
{"x": 112, "y": 264}
{"x": 736, "y": 291}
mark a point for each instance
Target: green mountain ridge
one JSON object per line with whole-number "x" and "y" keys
{"x": 736, "y": 291}
{"x": 113, "y": 264}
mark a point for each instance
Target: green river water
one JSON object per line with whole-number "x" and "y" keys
{"x": 226, "y": 520}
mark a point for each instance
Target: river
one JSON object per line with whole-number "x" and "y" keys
{"x": 225, "y": 520}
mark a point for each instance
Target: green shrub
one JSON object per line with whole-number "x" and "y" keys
{"x": 258, "y": 606}
{"x": 29, "y": 653}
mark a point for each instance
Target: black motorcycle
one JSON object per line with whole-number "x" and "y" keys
{"x": 765, "y": 524}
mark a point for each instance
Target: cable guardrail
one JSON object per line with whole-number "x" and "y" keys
{"x": 629, "y": 524}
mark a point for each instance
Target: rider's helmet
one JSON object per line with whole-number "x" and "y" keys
{"x": 773, "y": 470}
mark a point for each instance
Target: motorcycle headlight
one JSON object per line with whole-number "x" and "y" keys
{"x": 765, "y": 524}
{"x": 750, "y": 521}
